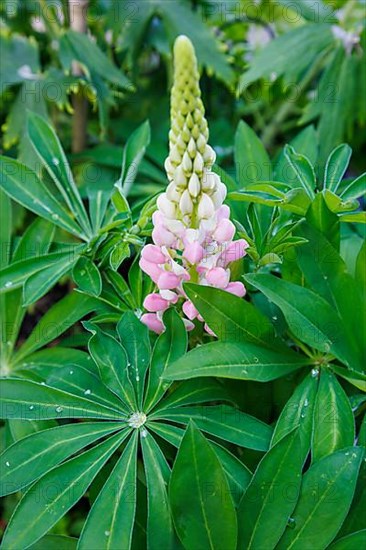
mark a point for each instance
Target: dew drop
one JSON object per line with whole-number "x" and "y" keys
{"x": 43, "y": 383}
{"x": 291, "y": 523}
{"x": 82, "y": 272}
{"x": 315, "y": 373}
{"x": 107, "y": 533}
{"x": 87, "y": 392}
{"x": 55, "y": 161}
{"x": 59, "y": 409}
{"x": 8, "y": 284}
{"x": 71, "y": 372}
{"x": 54, "y": 216}
{"x": 275, "y": 317}
{"x": 256, "y": 360}
{"x": 137, "y": 378}
{"x": 306, "y": 403}
{"x": 7, "y": 464}
{"x": 31, "y": 407}
{"x": 144, "y": 433}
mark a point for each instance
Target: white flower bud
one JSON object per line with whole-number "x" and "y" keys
{"x": 209, "y": 156}
{"x": 186, "y": 163}
{"x": 196, "y": 131}
{"x": 198, "y": 163}
{"x": 189, "y": 121}
{"x": 217, "y": 199}
{"x": 206, "y": 207}
{"x": 194, "y": 186}
{"x": 175, "y": 226}
{"x": 169, "y": 168}
{"x": 181, "y": 145}
{"x": 186, "y": 204}
{"x": 172, "y": 192}
{"x": 192, "y": 148}
{"x": 174, "y": 155}
{"x": 210, "y": 181}
{"x": 180, "y": 179}
{"x": 166, "y": 206}
{"x": 201, "y": 144}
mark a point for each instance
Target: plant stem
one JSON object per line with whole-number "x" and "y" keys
{"x": 78, "y": 23}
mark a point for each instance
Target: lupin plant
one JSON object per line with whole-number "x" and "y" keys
{"x": 193, "y": 235}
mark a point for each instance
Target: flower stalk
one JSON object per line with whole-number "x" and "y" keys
{"x": 192, "y": 235}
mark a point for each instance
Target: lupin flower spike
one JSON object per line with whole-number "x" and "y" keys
{"x": 192, "y": 235}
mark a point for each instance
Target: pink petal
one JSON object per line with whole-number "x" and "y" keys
{"x": 224, "y": 232}
{"x": 237, "y": 288}
{"x": 218, "y": 276}
{"x": 234, "y": 251}
{"x": 188, "y": 324}
{"x": 210, "y": 332}
{"x": 151, "y": 320}
{"x": 189, "y": 310}
{"x": 193, "y": 253}
{"x": 151, "y": 269}
{"x": 162, "y": 237}
{"x": 168, "y": 281}
{"x": 152, "y": 253}
{"x": 154, "y": 302}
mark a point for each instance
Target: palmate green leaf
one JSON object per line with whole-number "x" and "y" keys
{"x": 321, "y": 218}
{"x": 33, "y": 456}
{"x": 134, "y": 337}
{"x": 336, "y": 166}
{"x": 23, "y": 428}
{"x": 251, "y": 159}
{"x": 326, "y": 495}
{"x": 15, "y": 275}
{"x": 337, "y": 205}
{"x": 231, "y": 318}
{"x": 191, "y": 392}
{"x": 326, "y": 273}
{"x": 87, "y": 276}
{"x": 160, "y": 531}
{"x": 24, "y": 399}
{"x": 355, "y": 520}
{"x": 334, "y": 425}
{"x": 44, "y": 362}
{"x": 169, "y": 346}
{"x": 79, "y": 47}
{"x": 55, "y": 542}
{"x": 308, "y": 315}
{"x": 39, "y": 283}
{"x": 24, "y": 186}
{"x": 356, "y": 378}
{"x": 5, "y": 229}
{"x": 197, "y": 471}
{"x": 242, "y": 361}
{"x": 49, "y": 149}
{"x": 350, "y": 542}
{"x": 298, "y": 413}
{"x": 36, "y": 240}
{"x": 356, "y": 189}
{"x": 305, "y": 143}
{"x": 60, "y": 317}
{"x": 112, "y": 362}
{"x": 132, "y": 155}
{"x": 271, "y": 496}
{"x": 238, "y": 475}
{"x": 298, "y": 48}
{"x": 222, "y": 421}
{"x": 303, "y": 169}
{"x": 110, "y": 522}
{"x": 68, "y": 482}
{"x": 83, "y": 382}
